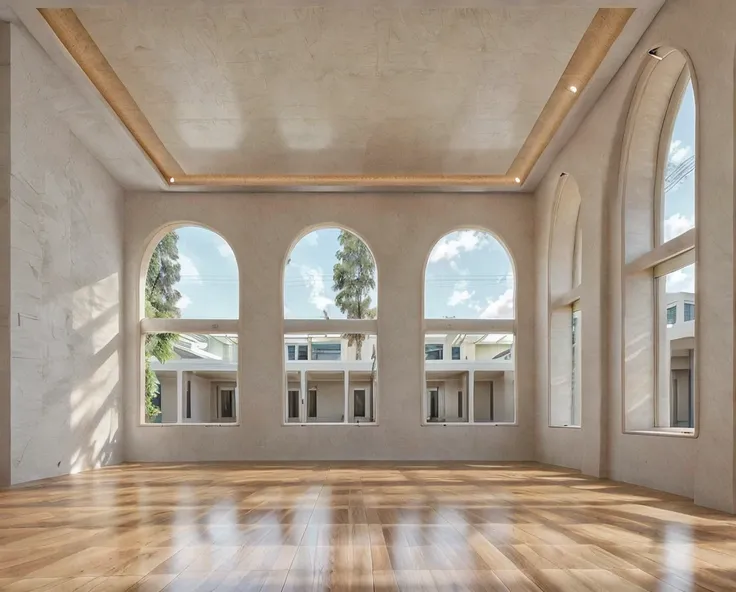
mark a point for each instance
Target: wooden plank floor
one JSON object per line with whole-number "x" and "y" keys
{"x": 470, "y": 526}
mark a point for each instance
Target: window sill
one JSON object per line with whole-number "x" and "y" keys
{"x": 565, "y": 427}
{"x": 464, "y": 424}
{"x": 229, "y": 424}
{"x": 666, "y": 432}
{"x": 367, "y": 424}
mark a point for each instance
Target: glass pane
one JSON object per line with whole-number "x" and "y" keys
{"x": 679, "y": 173}
{"x": 326, "y": 351}
{"x": 469, "y": 275}
{"x": 433, "y": 351}
{"x": 330, "y": 274}
{"x": 338, "y": 373}
{"x": 192, "y": 274}
{"x": 477, "y": 385}
{"x": 199, "y": 374}
{"x": 577, "y": 366}
{"x": 676, "y": 360}
{"x": 577, "y": 254}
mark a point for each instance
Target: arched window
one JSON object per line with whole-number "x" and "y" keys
{"x": 469, "y": 298}
{"x": 565, "y": 311}
{"x": 330, "y": 311}
{"x": 659, "y": 221}
{"x": 190, "y": 292}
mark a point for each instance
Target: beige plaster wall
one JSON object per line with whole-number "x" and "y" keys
{"x": 701, "y": 467}
{"x": 401, "y": 230}
{"x": 65, "y": 275}
{"x": 5, "y": 415}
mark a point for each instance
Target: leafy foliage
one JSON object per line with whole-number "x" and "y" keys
{"x": 353, "y": 279}
{"x": 161, "y": 297}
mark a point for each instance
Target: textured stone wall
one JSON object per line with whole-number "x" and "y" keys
{"x": 65, "y": 264}
{"x": 4, "y": 254}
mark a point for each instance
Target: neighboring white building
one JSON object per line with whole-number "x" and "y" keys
{"x": 326, "y": 383}
{"x": 679, "y": 363}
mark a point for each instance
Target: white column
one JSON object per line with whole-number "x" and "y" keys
{"x": 179, "y": 396}
{"x": 471, "y": 396}
{"x": 302, "y": 396}
{"x": 346, "y": 382}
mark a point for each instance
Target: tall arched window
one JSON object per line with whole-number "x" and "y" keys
{"x": 659, "y": 199}
{"x": 190, "y": 292}
{"x": 565, "y": 311}
{"x": 469, "y": 296}
{"x": 330, "y": 341}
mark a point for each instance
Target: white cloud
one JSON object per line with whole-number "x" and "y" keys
{"x": 682, "y": 280}
{"x": 677, "y": 224}
{"x": 184, "y": 302}
{"x": 679, "y": 153}
{"x": 500, "y": 308}
{"x": 312, "y": 239}
{"x": 189, "y": 271}
{"x": 451, "y": 246}
{"x": 458, "y": 297}
{"x": 313, "y": 278}
{"x": 225, "y": 251}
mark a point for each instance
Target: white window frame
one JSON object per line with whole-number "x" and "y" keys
{"x": 306, "y": 327}
{"x": 467, "y": 327}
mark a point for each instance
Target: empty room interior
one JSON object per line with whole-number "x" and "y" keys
{"x": 378, "y": 295}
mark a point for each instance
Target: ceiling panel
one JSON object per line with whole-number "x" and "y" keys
{"x": 249, "y": 93}
{"x": 238, "y": 90}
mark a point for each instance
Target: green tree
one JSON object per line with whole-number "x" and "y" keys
{"x": 164, "y": 271}
{"x": 353, "y": 279}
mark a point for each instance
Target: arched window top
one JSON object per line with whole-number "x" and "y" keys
{"x": 678, "y": 183}
{"x": 469, "y": 275}
{"x": 565, "y": 252}
{"x": 330, "y": 274}
{"x": 659, "y": 154}
{"x": 192, "y": 274}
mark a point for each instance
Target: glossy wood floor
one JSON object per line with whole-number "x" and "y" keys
{"x": 357, "y": 527}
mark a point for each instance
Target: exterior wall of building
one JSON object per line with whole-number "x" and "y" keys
{"x": 400, "y": 230}
{"x": 200, "y": 395}
{"x": 330, "y": 400}
{"x": 169, "y": 399}
{"x": 701, "y": 467}
{"x": 482, "y": 400}
{"x": 66, "y": 261}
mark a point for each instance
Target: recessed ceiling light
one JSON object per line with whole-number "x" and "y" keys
{"x": 517, "y": 180}
{"x": 172, "y": 180}
{"x": 573, "y": 89}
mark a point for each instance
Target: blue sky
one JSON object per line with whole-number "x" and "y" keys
{"x": 469, "y": 275}
{"x": 209, "y": 275}
{"x": 679, "y": 201}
